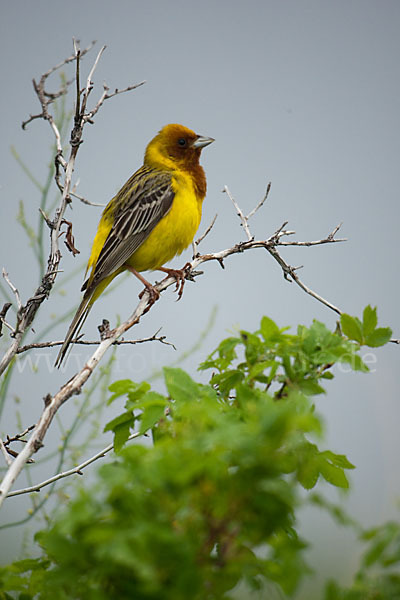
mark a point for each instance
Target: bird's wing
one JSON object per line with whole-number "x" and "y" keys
{"x": 142, "y": 202}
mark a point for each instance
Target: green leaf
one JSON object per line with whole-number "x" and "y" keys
{"x": 333, "y": 474}
{"x": 180, "y": 385}
{"x": 340, "y": 460}
{"x": 287, "y": 365}
{"x": 378, "y": 337}
{"x": 268, "y": 328}
{"x": 121, "y": 434}
{"x": 138, "y": 390}
{"x": 370, "y": 320}
{"x": 253, "y": 346}
{"x": 327, "y": 375}
{"x": 355, "y": 361}
{"x": 27, "y": 564}
{"x": 352, "y": 328}
{"x": 228, "y": 380}
{"x": 150, "y": 417}
{"x": 121, "y": 426}
{"x": 311, "y": 388}
{"x": 308, "y": 472}
{"x": 126, "y": 417}
{"x": 148, "y": 399}
{"x": 120, "y": 388}
{"x": 260, "y": 367}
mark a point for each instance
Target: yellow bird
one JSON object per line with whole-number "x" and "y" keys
{"x": 153, "y": 217}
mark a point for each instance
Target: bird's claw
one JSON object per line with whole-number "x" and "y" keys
{"x": 153, "y": 294}
{"x": 180, "y": 277}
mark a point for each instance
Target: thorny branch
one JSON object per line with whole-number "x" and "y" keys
{"x": 153, "y": 338}
{"x": 46, "y": 98}
{"x": 26, "y": 313}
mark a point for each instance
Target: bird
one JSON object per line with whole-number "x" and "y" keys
{"x": 153, "y": 218}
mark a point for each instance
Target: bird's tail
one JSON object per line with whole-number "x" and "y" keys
{"x": 77, "y": 322}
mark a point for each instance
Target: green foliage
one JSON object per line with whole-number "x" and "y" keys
{"x": 365, "y": 332}
{"x": 379, "y": 575}
{"x": 212, "y": 503}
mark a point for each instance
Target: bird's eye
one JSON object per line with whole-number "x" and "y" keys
{"x": 182, "y": 142}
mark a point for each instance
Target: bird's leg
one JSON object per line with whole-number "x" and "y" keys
{"x": 154, "y": 294}
{"x": 179, "y": 275}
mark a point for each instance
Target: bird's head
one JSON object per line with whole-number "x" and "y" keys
{"x": 176, "y": 146}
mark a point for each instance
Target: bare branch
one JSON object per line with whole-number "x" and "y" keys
{"x": 84, "y": 201}
{"x": 48, "y": 221}
{"x": 7, "y": 324}
{"x": 81, "y": 198}
{"x": 196, "y": 243}
{"x": 259, "y": 205}
{"x": 3, "y": 321}
{"x": 74, "y": 471}
{"x": 270, "y": 244}
{"x": 46, "y": 98}
{"x": 105, "y": 96}
{"x": 18, "y": 437}
{"x": 13, "y": 289}
{"x": 5, "y": 454}
{"x": 153, "y": 338}
{"x": 240, "y": 213}
{"x": 329, "y": 238}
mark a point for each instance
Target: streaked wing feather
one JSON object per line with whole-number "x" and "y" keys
{"x": 134, "y": 220}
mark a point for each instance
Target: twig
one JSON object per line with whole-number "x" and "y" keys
{"x": 269, "y": 245}
{"x": 239, "y": 213}
{"x": 74, "y": 471}
{"x": 152, "y": 338}
{"x": 7, "y": 457}
{"x": 10, "y": 327}
{"x": 13, "y": 289}
{"x": 105, "y": 96}
{"x": 84, "y": 201}
{"x": 48, "y": 221}
{"x": 329, "y": 238}
{"x": 52, "y": 96}
{"x": 81, "y": 198}
{"x": 18, "y": 437}
{"x": 3, "y": 313}
{"x": 259, "y": 205}
{"x": 196, "y": 243}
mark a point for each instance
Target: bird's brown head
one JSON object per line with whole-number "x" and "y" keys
{"x": 176, "y": 146}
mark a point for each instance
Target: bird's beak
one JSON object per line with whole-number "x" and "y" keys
{"x": 202, "y": 141}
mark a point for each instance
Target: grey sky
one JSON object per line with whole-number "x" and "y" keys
{"x": 303, "y": 94}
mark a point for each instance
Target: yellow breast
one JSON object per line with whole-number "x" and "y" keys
{"x": 174, "y": 232}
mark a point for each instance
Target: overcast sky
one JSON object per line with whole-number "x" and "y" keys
{"x": 304, "y": 94}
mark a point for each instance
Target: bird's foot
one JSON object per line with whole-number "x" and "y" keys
{"x": 179, "y": 275}
{"x": 153, "y": 293}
